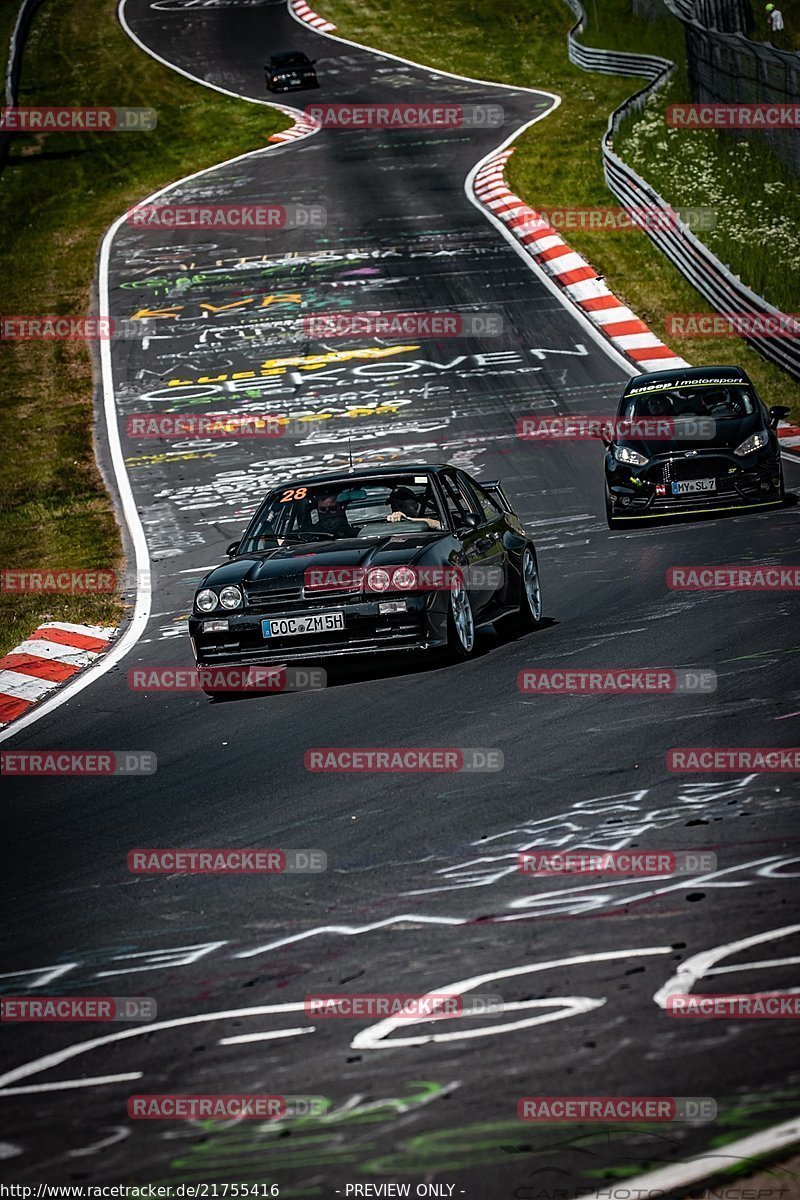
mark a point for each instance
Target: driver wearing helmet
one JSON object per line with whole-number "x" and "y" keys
{"x": 332, "y": 518}
{"x": 406, "y": 507}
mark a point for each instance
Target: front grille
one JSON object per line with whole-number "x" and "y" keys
{"x": 290, "y": 598}
{"x": 700, "y": 467}
{"x": 271, "y": 598}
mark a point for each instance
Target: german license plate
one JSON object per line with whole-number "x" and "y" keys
{"x": 693, "y": 485}
{"x": 296, "y": 626}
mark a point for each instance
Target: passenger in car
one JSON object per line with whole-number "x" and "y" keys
{"x": 406, "y": 507}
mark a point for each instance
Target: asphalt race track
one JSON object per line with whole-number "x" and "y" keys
{"x": 421, "y": 889}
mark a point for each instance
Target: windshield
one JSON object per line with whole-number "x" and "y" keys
{"x": 344, "y": 508}
{"x": 728, "y": 401}
{"x": 290, "y": 59}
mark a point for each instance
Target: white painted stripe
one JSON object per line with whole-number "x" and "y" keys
{"x": 637, "y": 341}
{"x": 65, "y": 1084}
{"x": 566, "y": 262}
{"x": 97, "y": 631}
{"x": 265, "y": 1037}
{"x": 24, "y": 687}
{"x": 507, "y": 202}
{"x": 610, "y": 316}
{"x": 42, "y": 648}
{"x": 682, "y": 1175}
{"x": 659, "y": 364}
{"x": 545, "y": 242}
{"x": 589, "y": 289}
{"x": 377, "y": 1035}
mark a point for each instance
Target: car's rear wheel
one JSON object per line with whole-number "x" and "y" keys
{"x": 460, "y": 621}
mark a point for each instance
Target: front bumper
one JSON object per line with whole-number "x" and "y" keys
{"x": 292, "y": 85}
{"x": 752, "y": 481}
{"x": 367, "y": 631}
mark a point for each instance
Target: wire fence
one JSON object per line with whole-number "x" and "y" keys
{"x": 712, "y": 279}
{"x": 728, "y": 68}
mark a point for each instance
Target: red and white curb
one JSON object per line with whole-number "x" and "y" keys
{"x": 54, "y": 653}
{"x": 303, "y": 126}
{"x": 789, "y": 435}
{"x": 304, "y": 13}
{"x": 579, "y": 281}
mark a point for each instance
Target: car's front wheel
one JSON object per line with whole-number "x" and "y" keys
{"x": 460, "y": 621}
{"x": 611, "y": 520}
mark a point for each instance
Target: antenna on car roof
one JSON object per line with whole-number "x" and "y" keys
{"x": 350, "y": 453}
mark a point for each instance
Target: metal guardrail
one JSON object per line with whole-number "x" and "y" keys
{"x": 723, "y": 290}
{"x": 14, "y": 65}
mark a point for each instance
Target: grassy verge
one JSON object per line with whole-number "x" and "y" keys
{"x": 557, "y": 162}
{"x": 755, "y": 196}
{"x": 58, "y": 195}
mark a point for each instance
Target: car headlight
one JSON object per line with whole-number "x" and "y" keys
{"x": 377, "y": 579}
{"x": 756, "y": 441}
{"x": 404, "y": 578}
{"x": 230, "y": 597}
{"x": 632, "y": 457}
{"x": 206, "y": 600}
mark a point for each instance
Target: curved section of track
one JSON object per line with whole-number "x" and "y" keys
{"x": 422, "y": 890}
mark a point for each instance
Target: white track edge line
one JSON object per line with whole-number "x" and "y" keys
{"x": 141, "y": 611}
{"x": 702, "y": 1166}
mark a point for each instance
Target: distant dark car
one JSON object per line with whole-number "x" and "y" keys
{"x": 290, "y": 71}
{"x": 701, "y": 441}
{"x": 408, "y": 559}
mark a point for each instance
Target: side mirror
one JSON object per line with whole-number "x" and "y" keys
{"x": 777, "y": 413}
{"x": 605, "y": 434}
{"x": 471, "y": 521}
{"x": 232, "y": 550}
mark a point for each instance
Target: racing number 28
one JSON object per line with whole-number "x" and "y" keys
{"x": 293, "y": 494}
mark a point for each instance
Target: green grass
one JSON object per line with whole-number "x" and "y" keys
{"x": 557, "y": 162}
{"x": 756, "y": 197}
{"x": 58, "y": 195}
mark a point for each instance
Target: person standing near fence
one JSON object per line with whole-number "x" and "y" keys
{"x": 775, "y": 22}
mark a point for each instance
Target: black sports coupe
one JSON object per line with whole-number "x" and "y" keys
{"x": 388, "y": 559}
{"x": 691, "y": 440}
{"x": 290, "y": 71}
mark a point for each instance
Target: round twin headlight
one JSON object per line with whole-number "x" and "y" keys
{"x": 378, "y": 579}
{"x": 404, "y": 578}
{"x": 230, "y": 597}
{"x": 206, "y": 600}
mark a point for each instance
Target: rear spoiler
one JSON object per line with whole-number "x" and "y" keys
{"x": 495, "y": 488}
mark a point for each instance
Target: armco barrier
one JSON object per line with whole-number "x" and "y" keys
{"x": 14, "y": 64}
{"x": 714, "y": 281}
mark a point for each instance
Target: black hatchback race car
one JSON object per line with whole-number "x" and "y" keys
{"x": 408, "y": 559}
{"x": 691, "y": 440}
{"x": 290, "y": 71}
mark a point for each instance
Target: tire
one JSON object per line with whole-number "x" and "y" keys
{"x": 529, "y": 597}
{"x": 611, "y": 520}
{"x": 460, "y": 622}
{"x": 530, "y": 591}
